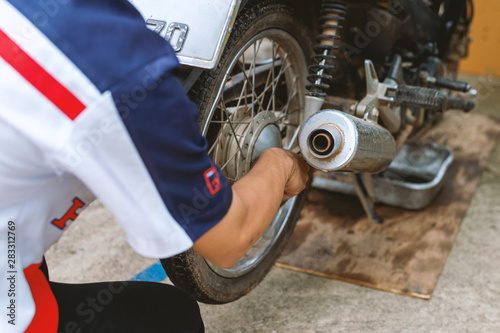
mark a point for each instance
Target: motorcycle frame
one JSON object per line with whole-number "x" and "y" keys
{"x": 200, "y": 40}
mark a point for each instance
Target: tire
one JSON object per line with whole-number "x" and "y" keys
{"x": 260, "y": 105}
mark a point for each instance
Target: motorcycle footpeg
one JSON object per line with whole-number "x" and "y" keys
{"x": 456, "y": 85}
{"x": 427, "y": 98}
{"x": 457, "y": 103}
{"x": 441, "y": 82}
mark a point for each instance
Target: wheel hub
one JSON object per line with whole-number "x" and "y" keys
{"x": 243, "y": 140}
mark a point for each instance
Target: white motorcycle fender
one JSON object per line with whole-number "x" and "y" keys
{"x": 196, "y": 29}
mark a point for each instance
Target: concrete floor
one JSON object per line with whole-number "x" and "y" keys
{"x": 466, "y": 298}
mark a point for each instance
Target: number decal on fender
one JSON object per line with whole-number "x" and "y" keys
{"x": 183, "y": 30}
{"x": 174, "y": 29}
{"x": 159, "y": 25}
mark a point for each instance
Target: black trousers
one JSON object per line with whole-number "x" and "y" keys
{"x": 125, "y": 306}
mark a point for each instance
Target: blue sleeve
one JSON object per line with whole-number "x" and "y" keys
{"x": 162, "y": 122}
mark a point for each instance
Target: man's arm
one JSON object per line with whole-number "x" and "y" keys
{"x": 277, "y": 176}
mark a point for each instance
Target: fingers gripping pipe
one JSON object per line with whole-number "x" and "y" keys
{"x": 331, "y": 140}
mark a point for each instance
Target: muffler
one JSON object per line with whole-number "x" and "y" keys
{"x": 331, "y": 140}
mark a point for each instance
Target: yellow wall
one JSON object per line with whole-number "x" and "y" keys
{"x": 484, "y": 50}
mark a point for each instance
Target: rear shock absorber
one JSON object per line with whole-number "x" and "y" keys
{"x": 332, "y": 16}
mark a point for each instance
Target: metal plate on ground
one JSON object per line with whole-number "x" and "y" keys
{"x": 412, "y": 181}
{"x": 406, "y": 254}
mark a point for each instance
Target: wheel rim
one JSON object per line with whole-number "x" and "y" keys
{"x": 258, "y": 105}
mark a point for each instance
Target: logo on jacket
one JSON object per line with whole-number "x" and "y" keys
{"x": 71, "y": 214}
{"x": 212, "y": 178}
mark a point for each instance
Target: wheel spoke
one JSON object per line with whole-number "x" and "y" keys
{"x": 233, "y": 122}
{"x": 294, "y": 138}
{"x": 274, "y": 52}
{"x": 232, "y": 128}
{"x": 287, "y": 114}
{"x": 241, "y": 64}
{"x": 269, "y": 80}
{"x": 271, "y": 85}
{"x": 243, "y": 90}
{"x": 247, "y": 80}
{"x": 252, "y": 67}
{"x": 283, "y": 69}
{"x": 228, "y": 161}
{"x": 270, "y": 77}
{"x": 263, "y": 77}
{"x": 210, "y": 151}
{"x": 251, "y": 81}
{"x": 290, "y": 96}
{"x": 228, "y": 115}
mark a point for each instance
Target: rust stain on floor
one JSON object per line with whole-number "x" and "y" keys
{"x": 407, "y": 253}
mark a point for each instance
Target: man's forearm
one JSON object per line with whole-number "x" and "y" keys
{"x": 261, "y": 193}
{"x": 256, "y": 199}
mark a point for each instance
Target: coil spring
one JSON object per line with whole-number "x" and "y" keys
{"x": 332, "y": 15}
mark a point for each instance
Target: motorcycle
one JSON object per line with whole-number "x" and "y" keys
{"x": 344, "y": 83}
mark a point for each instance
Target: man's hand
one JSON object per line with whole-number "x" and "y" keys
{"x": 276, "y": 176}
{"x": 295, "y": 169}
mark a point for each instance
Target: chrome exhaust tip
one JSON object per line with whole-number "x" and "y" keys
{"x": 321, "y": 142}
{"x": 332, "y": 140}
{"x": 324, "y": 142}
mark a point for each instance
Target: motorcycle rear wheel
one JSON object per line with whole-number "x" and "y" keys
{"x": 253, "y": 99}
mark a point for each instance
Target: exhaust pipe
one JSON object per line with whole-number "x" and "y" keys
{"x": 321, "y": 142}
{"x": 331, "y": 140}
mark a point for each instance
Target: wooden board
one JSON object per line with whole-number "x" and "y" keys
{"x": 406, "y": 254}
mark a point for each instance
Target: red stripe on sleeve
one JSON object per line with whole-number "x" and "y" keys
{"x": 46, "y": 317}
{"x": 45, "y": 83}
